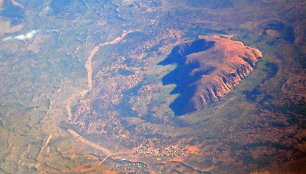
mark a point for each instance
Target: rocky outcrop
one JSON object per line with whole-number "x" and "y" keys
{"x": 207, "y": 69}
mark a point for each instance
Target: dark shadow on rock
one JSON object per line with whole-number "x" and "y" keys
{"x": 181, "y": 76}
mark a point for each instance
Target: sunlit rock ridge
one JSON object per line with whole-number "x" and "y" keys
{"x": 207, "y": 69}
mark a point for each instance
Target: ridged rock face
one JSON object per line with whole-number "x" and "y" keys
{"x": 207, "y": 69}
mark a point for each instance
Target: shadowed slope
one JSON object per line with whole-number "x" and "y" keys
{"x": 207, "y": 69}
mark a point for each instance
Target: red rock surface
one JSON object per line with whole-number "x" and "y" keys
{"x": 233, "y": 61}
{"x": 208, "y": 69}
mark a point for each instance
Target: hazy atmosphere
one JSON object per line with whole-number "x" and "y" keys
{"x": 160, "y": 86}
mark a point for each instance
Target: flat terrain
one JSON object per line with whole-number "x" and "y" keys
{"x": 158, "y": 86}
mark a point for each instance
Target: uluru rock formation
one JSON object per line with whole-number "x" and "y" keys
{"x": 207, "y": 69}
